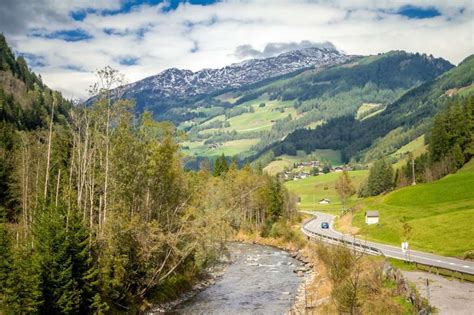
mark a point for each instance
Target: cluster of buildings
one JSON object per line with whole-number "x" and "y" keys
{"x": 300, "y": 170}
{"x": 307, "y": 164}
{"x": 214, "y": 145}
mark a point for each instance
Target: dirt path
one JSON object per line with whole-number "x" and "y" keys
{"x": 448, "y": 296}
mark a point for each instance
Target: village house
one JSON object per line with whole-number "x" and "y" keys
{"x": 371, "y": 217}
{"x": 324, "y": 201}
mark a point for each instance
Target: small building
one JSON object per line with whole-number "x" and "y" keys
{"x": 324, "y": 201}
{"x": 371, "y": 217}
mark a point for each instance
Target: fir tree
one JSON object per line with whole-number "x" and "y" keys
{"x": 23, "y": 289}
{"x": 380, "y": 178}
{"x": 5, "y": 254}
{"x": 220, "y": 165}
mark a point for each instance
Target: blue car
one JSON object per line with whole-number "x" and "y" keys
{"x": 325, "y": 225}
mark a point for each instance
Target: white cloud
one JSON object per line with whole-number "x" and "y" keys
{"x": 356, "y": 27}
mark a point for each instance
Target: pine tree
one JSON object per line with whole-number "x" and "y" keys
{"x": 5, "y": 254}
{"x": 380, "y": 178}
{"x": 68, "y": 276}
{"x": 439, "y": 139}
{"x": 23, "y": 289}
{"x": 220, "y": 165}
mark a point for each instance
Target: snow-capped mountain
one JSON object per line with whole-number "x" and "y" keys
{"x": 184, "y": 83}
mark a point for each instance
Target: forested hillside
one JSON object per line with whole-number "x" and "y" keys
{"x": 25, "y": 106}
{"x": 256, "y": 117}
{"x": 403, "y": 120}
{"x": 97, "y": 214}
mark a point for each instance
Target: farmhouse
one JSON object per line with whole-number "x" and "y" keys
{"x": 371, "y": 217}
{"x": 324, "y": 201}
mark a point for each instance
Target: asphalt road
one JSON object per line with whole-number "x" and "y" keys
{"x": 313, "y": 228}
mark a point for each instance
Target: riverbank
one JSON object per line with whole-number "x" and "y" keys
{"x": 208, "y": 278}
{"x": 314, "y": 293}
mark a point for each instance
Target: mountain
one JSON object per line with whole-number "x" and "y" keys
{"x": 173, "y": 87}
{"x": 247, "y": 120}
{"x": 402, "y": 121}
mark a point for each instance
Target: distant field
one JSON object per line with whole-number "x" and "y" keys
{"x": 417, "y": 147}
{"x": 284, "y": 161}
{"x": 367, "y": 107}
{"x": 314, "y": 124}
{"x": 263, "y": 118}
{"x": 441, "y": 215}
{"x": 314, "y": 188}
{"x": 229, "y": 148}
{"x": 279, "y": 164}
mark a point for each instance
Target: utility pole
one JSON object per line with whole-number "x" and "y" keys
{"x": 428, "y": 290}
{"x": 413, "y": 171}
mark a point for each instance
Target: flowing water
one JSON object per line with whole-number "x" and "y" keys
{"x": 260, "y": 280}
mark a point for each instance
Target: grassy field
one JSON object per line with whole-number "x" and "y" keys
{"x": 314, "y": 188}
{"x": 441, "y": 215}
{"x": 229, "y": 148}
{"x": 262, "y": 118}
{"x": 314, "y": 124}
{"x": 417, "y": 147}
{"x": 366, "y": 107}
{"x": 287, "y": 161}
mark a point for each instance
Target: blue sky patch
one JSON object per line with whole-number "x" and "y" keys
{"x": 128, "y": 61}
{"x": 414, "y": 12}
{"x": 74, "y": 35}
{"x": 73, "y": 68}
{"x": 128, "y": 6}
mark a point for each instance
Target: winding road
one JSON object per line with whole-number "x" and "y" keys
{"x": 313, "y": 229}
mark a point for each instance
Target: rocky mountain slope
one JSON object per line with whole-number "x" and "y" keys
{"x": 174, "y": 85}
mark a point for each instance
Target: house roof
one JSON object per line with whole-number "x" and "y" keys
{"x": 371, "y": 213}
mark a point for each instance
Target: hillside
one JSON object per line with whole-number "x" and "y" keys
{"x": 267, "y": 113}
{"x": 441, "y": 222}
{"x": 25, "y": 105}
{"x": 314, "y": 188}
{"x": 401, "y": 122}
{"x": 174, "y": 93}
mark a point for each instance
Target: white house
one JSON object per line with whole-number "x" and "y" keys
{"x": 371, "y": 217}
{"x": 324, "y": 201}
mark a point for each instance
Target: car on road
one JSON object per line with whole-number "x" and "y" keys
{"x": 325, "y": 225}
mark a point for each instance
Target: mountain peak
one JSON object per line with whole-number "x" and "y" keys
{"x": 175, "y": 82}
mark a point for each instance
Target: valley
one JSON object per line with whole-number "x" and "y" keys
{"x": 243, "y": 169}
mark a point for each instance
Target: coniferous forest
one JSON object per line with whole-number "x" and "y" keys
{"x": 96, "y": 211}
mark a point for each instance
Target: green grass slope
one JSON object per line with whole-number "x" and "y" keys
{"x": 306, "y": 100}
{"x": 441, "y": 215}
{"x": 313, "y": 189}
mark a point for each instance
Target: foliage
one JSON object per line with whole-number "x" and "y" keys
{"x": 450, "y": 144}
{"x": 410, "y": 112}
{"x": 380, "y": 179}
{"x": 344, "y": 187}
{"x": 220, "y": 165}
{"x": 103, "y": 212}
{"x": 440, "y": 222}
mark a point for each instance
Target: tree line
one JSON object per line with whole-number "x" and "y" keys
{"x": 98, "y": 214}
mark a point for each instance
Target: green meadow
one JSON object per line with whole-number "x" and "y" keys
{"x": 440, "y": 214}
{"x": 314, "y": 188}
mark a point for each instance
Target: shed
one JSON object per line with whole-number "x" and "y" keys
{"x": 324, "y": 201}
{"x": 371, "y": 217}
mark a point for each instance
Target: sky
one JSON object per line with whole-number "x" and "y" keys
{"x": 67, "y": 41}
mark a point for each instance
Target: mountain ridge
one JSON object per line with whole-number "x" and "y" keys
{"x": 237, "y": 74}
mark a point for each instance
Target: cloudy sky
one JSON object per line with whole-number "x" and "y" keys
{"x": 66, "y": 41}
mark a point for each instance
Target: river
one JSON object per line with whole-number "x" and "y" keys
{"x": 260, "y": 280}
